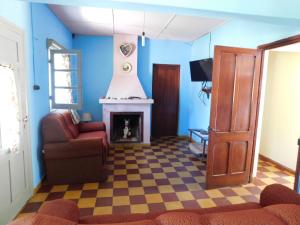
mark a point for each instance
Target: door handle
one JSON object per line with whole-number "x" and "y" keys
{"x": 25, "y": 119}
{"x": 211, "y": 129}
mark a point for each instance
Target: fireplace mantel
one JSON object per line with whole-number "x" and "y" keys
{"x": 125, "y": 101}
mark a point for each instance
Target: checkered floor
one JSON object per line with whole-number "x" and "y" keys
{"x": 163, "y": 176}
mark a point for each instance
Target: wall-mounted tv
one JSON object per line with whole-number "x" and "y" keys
{"x": 201, "y": 70}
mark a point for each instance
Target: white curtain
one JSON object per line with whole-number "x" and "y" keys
{"x": 9, "y": 111}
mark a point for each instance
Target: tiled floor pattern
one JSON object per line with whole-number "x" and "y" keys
{"x": 163, "y": 176}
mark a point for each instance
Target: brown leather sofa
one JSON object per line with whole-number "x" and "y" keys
{"x": 278, "y": 205}
{"x": 73, "y": 153}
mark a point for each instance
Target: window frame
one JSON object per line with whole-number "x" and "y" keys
{"x": 55, "y": 48}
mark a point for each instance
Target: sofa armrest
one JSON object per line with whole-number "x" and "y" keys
{"x": 278, "y": 194}
{"x": 61, "y": 208}
{"x": 91, "y": 126}
{"x": 75, "y": 148}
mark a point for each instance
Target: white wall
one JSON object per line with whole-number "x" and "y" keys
{"x": 124, "y": 85}
{"x": 281, "y": 113}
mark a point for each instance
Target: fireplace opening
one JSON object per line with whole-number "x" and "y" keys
{"x": 126, "y": 127}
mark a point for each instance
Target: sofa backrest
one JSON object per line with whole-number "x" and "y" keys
{"x": 55, "y": 129}
{"x": 285, "y": 214}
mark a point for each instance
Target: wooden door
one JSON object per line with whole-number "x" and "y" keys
{"x": 165, "y": 92}
{"x": 235, "y": 87}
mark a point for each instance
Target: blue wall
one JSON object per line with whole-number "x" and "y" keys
{"x": 45, "y": 25}
{"x": 167, "y": 52}
{"x": 97, "y": 69}
{"x": 97, "y": 56}
{"x": 236, "y": 33}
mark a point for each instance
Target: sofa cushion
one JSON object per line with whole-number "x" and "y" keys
{"x": 244, "y": 217}
{"x": 103, "y": 219}
{"x": 75, "y": 148}
{"x": 70, "y": 125}
{"x": 75, "y": 116}
{"x": 67, "y": 209}
{"x": 180, "y": 218}
{"x": 91, "y": 126}
{"x": 95, "y": 134}
{"x": 289, "y": 213}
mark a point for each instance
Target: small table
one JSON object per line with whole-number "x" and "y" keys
{"x": 203, "y": 135}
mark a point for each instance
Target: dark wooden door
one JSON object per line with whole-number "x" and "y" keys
{"x": 165, "y": 92}
{"x": 235, "y": 87}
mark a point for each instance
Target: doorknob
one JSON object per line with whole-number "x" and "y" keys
{"x": 211, "y": 129}
{"x": 25, "y": 119}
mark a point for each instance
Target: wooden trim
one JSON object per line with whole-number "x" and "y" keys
{"x": 297, "y": 173}
{"x": 277, "y": 164}
{"x": 263, "y": 48}
{"x": 281, "y": 42}
{"x": 257, "y": 113}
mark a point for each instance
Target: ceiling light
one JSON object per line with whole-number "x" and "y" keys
{"x": 143, "y": 33}
{"x": 143, "y": 39}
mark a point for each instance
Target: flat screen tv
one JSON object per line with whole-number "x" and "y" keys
{"x": 201, "y": 70}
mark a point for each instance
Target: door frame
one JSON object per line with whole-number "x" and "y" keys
{"x": 263, "y": 48}
{"x": 19, "y": 36}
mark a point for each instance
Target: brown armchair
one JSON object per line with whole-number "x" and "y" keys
{"x": 73, "y": 153}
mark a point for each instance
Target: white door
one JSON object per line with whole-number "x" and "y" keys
{"x": 15, "y": 160}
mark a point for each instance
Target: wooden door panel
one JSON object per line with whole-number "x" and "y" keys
{"x": 233, "y": 113}
{"x": 221, "y": 157}
{"x": 242, "y": 95}
{"x": 238, "y": 157}
{"x": 165, "y": 90}
{"x": 223, "y": 121}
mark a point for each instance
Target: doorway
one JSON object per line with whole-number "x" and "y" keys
{"x": 277, "y": 128}
{"x": 15, "y": 157}
{"x": 165, "y": 92}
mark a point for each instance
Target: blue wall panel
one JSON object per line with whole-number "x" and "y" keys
{"x": 97, "y": 70}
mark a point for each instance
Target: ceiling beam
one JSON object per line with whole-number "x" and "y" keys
{"x": 166, "y": 25}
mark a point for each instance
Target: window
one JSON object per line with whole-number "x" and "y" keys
{"x": 65, "y": 77}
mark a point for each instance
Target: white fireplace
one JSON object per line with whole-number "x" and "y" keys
{"x": 126, "y": 96}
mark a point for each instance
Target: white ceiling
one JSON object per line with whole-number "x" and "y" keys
{"x": 105, "y": 21}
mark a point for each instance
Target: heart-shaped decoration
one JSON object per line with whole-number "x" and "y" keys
{"x": 127, "y": 49}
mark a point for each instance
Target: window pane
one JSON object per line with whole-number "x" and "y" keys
{"x": 9, "y": 111}
{"x": 66, "y": 96}
{"x": 65, "y": 61}
{"x": 65, "y": 79}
